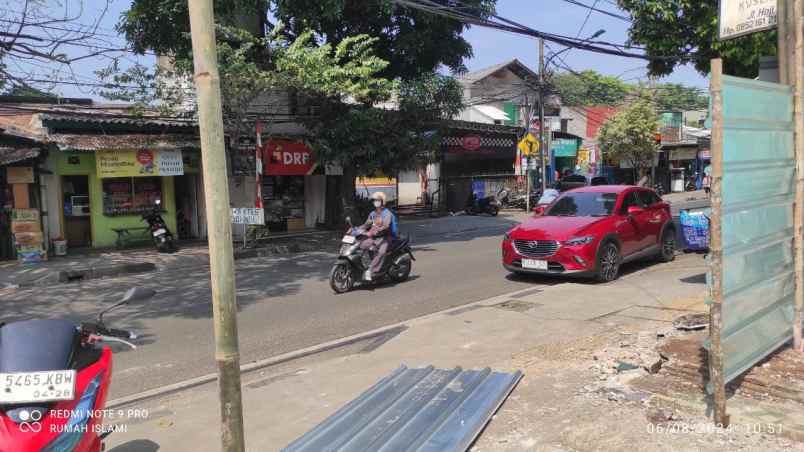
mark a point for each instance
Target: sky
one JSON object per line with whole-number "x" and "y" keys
{"x": 490, "y": 46}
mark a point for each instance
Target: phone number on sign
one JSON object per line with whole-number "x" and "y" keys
{"x": 708, "y": 427}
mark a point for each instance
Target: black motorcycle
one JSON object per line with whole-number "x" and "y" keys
{"x": 476, "y": 206}
{"x": 353, "y": 261}
{"x": 161, "y": 235}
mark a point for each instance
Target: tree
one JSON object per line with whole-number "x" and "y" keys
{"x": 41, "y": 41}
{"x": 630, "y": 135}
{"x": 411, "y": 41}
{"x": 677, "y": 97}
{"x": 589, "y": 88}
{"x": 365, "y": 140}
{"x": 687, "y": 31}
{"x": 347, "y": 70}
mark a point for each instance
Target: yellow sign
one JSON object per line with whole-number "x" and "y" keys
{"x": 528, "y": 145}
{"x": 144, "y": 162}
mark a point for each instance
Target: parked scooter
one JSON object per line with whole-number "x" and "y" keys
{"x": 353, "y": 261}
{"x": 161, "y": 235}
{"x": 476, "y": 206}
{"x": 54, "y": 381}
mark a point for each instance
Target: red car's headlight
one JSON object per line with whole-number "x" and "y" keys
{"x": 575, "y": 241}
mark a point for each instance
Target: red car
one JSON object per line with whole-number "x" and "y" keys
{"x": 591, "y": 231}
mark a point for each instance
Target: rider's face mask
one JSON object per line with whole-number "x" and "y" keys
{"x": 377, "y": 203}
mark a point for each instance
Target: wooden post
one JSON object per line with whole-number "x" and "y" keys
{"x": 783, "y": 50}
{"x": 216, "y": 192}
{"x": 716, "y": 377}
{"x": 798, "y": 108}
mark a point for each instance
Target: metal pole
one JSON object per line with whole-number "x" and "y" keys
{"x": 541, "y": 114}
{"x": 716, "y": 378}
{"x": 216, "y": 192}
{"x": 798, "y": 107}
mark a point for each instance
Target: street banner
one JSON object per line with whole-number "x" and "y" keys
{"x": 248, "y": 215}
{"x": 742, "y": 17}
{"x": 139, "y": 163}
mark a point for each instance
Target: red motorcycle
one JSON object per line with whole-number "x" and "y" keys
{"x": 54, "y": 379}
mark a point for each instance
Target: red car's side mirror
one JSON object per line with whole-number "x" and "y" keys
{"x": 538, "y": 210}
{"x": 635, "y": 210}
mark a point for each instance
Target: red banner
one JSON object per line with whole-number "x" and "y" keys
{"x": 287, "y": 158}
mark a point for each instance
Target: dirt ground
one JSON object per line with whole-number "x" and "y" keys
{"x": 592, "y": 395}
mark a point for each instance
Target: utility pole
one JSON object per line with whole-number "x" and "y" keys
{"x": 542, "y": 88}
{"x": 216, "y": 193}
{"x": 797, "y": 75}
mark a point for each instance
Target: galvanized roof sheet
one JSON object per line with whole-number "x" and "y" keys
{"x": 424, "y": 409}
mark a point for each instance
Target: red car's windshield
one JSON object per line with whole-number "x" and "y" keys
{"x": 583, "y": 204}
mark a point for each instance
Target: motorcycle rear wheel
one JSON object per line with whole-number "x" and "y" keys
{"x": 494, "y": 210}
{"x": 401, "y": 271}
{"x": 341, "y": 278}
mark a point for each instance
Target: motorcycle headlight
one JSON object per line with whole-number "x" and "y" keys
{"x": 79, "y": 417}
{"x": 575, "y": 241}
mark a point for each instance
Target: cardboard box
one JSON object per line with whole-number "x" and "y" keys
{"x": 17, "y": 227}
{"x": 28, "y": 239}
{"x": 295, "y": 224}
{"x": 25, "y": 215}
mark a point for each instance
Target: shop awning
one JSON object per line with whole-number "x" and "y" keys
{"x": 13, "y": 155}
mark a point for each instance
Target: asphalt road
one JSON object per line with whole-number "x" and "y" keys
{"x": 285, "y": 303}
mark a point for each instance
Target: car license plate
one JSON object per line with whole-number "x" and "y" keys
{"x": 349, "y": 239}
{"x": 534, "y": 264}
{"x": 27, "y": 387}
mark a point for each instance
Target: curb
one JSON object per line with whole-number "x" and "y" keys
{"x": 256, "y": 365}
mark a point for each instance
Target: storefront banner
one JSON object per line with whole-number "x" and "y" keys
{"x": 19, "y": 175}
{"x": 144, "y": 162}
{"x": 287, "y": 158}
{"x": 564, "y": 147}
{"x": 248, "y": 215}
{"x": 25, "y": 215}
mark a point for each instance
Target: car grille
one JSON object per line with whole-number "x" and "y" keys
{"x": 536, "y": 248}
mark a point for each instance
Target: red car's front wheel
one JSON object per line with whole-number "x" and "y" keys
{"x": 608, "y": 263}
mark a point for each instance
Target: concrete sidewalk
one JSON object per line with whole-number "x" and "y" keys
{"x": 549, "y": 332}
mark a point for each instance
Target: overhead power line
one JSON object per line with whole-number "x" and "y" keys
{"x": 598, "y": 10}
{"x": 505, "y": 24}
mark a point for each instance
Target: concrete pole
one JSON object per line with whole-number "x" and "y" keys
{"x": 216, "y": 192}
{"x": 797, "y": 22}
{"x": 716, "y": 378}
{"x": 542, "y": 88}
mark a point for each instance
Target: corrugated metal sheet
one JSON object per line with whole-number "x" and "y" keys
{"x": 12, "y": 155}
{"x": 95, "y": 142}
{"x": 423, "y": 409}
{"x": 757, "y": 221}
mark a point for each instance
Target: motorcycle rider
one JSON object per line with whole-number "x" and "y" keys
{"x": 378, "y": 226}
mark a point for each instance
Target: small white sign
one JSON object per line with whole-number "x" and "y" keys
{"x": 741, "y": 17}
{"x": 248, "y": 215}
{"x": 169, "y": 163}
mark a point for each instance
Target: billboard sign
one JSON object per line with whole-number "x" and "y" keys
{"x": 742, "y": 17}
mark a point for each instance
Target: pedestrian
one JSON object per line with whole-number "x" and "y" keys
{"x": 707, "y": 179}
{"x": 380, "y": 232}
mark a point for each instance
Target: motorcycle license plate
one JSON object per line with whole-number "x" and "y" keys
{"x": 534, "y": 264}
{"x": 159, "y": 232}
{"x": 350, "y": 239}
{"x": 28, "y": 387}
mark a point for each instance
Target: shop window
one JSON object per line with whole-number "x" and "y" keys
{"x": 130, "y": 195}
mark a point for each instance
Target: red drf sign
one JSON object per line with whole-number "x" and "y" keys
{"x": 287, "y": 158}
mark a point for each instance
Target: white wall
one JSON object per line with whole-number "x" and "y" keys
{"x": 410, "y": 189}
{"x": 51, "y": 192}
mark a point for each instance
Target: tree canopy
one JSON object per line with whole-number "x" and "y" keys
{"x": 630, "y": 134}
{"x": 688, "y": 31}
{"x": 412, "y": 42}
{"x": 589, "y": 88}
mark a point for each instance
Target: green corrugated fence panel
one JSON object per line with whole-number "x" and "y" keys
{"x": 757, "y": 221}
